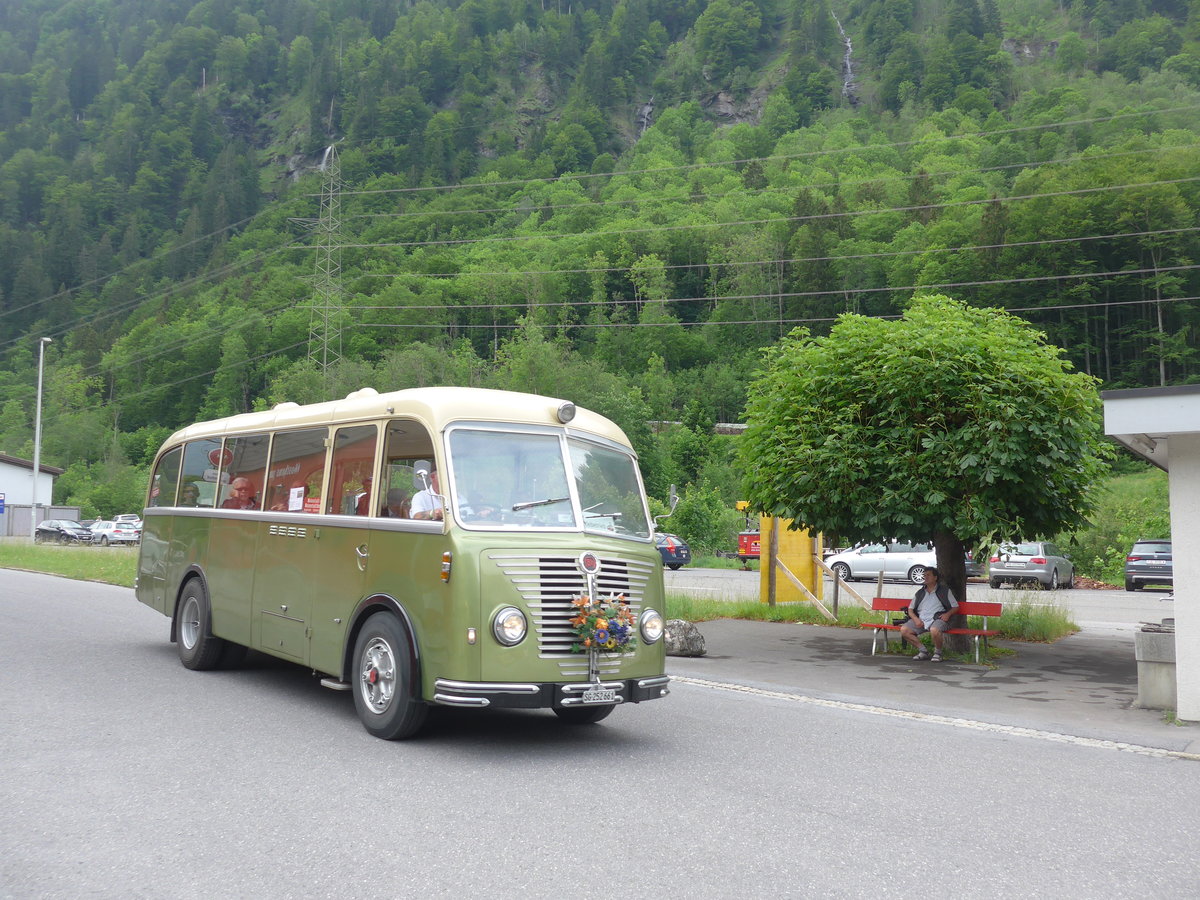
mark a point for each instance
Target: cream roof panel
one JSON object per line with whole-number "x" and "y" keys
{"x": 436, "y": 407}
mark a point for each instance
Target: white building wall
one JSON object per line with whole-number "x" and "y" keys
{"x": 1185, "y": 547}
{"x": 17, "y": 485}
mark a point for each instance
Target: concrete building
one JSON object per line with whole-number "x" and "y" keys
{"x": 1162, "y": 425}
{"x": 16, "y": 484}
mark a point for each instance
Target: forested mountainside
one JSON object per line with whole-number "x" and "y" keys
{"x": 616, "y": 202}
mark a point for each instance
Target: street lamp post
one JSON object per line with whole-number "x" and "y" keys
{"x": 37, "y": 440}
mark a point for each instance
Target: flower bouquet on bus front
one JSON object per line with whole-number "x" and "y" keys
{"x": 602, "y": 626}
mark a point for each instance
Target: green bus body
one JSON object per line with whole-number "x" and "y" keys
{"x": 300, "y": 583}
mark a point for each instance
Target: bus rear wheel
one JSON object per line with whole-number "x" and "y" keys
{"x": 582, "y": 715}
{"x": 384, "y": 695}
{"x": 198, "y": 648}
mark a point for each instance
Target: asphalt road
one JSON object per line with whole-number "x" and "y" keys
{"x": 1091, "y": 609}
{"x": 124, "y": 774}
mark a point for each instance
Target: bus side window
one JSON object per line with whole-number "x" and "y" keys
{"x": 201, "y": 460}
{"x": 245, "y": 463}
{"x": 296, "y": 469}
{"x": 166, "y": 477}
{"x": 350, "y": 475}
{"x": 407, "y": 443}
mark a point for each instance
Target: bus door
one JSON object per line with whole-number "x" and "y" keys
{"x": 234, "y": 536}
{"x": 155, "y": 556}
{"x": 291, "y": 554}
{"x": 342, "y": 552}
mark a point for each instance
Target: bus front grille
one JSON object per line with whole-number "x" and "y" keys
{"x": 547, "y": 584}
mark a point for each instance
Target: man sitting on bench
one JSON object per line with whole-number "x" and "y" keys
{"x": 930, "y": 612}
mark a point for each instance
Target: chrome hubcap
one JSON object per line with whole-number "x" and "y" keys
{"x": 189, "y": 622}
{"x": 377, "y": 675}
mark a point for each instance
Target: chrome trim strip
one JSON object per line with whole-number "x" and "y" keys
{"x": 310, "y": 520}
{"x": 578, "y": 701}
{"x": 656, "y": 681}
{"x": 618, "y": 686}
{"x": 448, "y": 700}
{"x": 485, "y": 687}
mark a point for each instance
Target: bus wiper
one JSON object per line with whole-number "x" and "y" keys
{"x": 529, "y": 504}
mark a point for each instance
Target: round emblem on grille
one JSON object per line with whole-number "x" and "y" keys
{"x": 589, "y": 563}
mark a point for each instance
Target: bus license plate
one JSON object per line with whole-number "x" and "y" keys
{"x": 600, "y": 695}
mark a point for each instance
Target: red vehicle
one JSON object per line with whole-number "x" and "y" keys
{"x": 748, "y": 538}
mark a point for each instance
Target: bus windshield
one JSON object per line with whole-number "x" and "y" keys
{"x": 539, "y": 480}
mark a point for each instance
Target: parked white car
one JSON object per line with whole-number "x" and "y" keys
{"x": 105, "y": 533}
{"x": 897, "y": 560}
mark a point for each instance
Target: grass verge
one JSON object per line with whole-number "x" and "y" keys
{"x": 723, "y": 562}
{"x": 1021, "y": 620}
{"x": 112, "y": 565}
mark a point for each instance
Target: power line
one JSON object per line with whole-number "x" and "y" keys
{"x": 656, "y": 229}
{"x": 782, "y": 295}
{"x": 206, "y": 333}
{"x": 508, "y": 326}
{"x": 513, "y": 326}
{"x": 688, "y": 167}
{"x": 724, "y": 264}
{"x": 1034, "y": 165}
{"x": 296, "y": 244}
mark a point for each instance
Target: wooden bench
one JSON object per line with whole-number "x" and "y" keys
{"x": 893, "y": 607}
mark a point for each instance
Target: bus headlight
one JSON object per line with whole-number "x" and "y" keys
{"x": 652, "y": 626}
{"x": 509, "y": 626}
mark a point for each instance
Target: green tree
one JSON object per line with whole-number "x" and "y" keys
{"x": 952, "y": 423}
{"x": 726, "y": 33}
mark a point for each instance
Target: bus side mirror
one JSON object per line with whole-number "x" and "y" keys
{"x": 421, "y": 474}
{"x": 672, "y": 502}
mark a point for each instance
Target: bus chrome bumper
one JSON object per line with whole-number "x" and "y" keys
{"x": 503, "y": 695}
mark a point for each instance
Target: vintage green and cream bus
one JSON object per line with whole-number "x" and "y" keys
{"x": 436, "y": 546}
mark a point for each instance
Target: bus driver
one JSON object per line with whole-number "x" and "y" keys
{"x": 427, "y": 503}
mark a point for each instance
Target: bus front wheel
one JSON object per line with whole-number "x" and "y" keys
{"x": 198, "y": 648}
{"x": 384, "y": 695}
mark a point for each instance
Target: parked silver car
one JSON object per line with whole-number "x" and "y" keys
{"x": 1027, "y": 561}
{"x": 1149, "y": 562}
{"x": 105, "y": 533}
{"x": 897, "y": 560}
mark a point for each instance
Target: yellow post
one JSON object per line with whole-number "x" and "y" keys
{"x": 796, "y": 549}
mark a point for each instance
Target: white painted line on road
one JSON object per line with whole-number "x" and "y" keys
{"x": 973, "y": 724}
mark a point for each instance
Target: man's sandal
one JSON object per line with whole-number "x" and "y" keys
{"x": 922, "y": 656}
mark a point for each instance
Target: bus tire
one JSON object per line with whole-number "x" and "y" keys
{"x": 198, "y": 648}
{"x": 384, "y": 695}
{"x": 582, "y": 715}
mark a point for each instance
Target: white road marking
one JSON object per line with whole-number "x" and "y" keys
{"x": 973, "y": 724}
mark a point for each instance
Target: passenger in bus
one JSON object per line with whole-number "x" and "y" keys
{"x": 362, "y": 506}
{"x": 427, "y": 503}
{"x": 241, "y": 495}
{"x": 189, "y": 495}
{"x": 397, "y": 504}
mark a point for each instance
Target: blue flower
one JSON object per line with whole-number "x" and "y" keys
{"x": 601, "y": 636}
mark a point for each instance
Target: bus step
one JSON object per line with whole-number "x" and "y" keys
{"x": 334, "y": 685}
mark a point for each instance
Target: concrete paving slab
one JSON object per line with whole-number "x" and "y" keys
{"x": 1083, "y": 685}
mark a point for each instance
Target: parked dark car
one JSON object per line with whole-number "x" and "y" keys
{"x": 62, "y": 531}
{"x": 675, "y": 552}
{"x": 1149, "y": 562}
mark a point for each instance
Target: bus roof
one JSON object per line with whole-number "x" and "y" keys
{"x": 437, "y": 407}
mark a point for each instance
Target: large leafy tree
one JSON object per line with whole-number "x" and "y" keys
{"x": 952, "y": 423}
